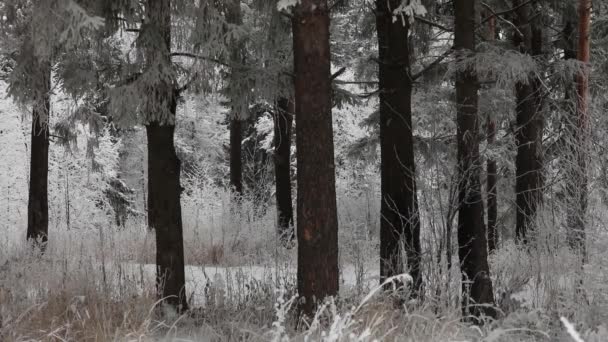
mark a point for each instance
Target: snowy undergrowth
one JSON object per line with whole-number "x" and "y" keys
{"x": 98, "y": 284}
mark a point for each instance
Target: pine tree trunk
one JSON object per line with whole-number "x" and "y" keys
{"x": 38, "y": 204}
{"x": 236, "y": 162}
{"x": 579, "y": 181}
{"x": 283, "y": 120}
{"x": 491, "y": 165}
{"x": 400, "y": 224}
{"x": 317, "y": 222}
{"x": 234, "y": 17}
{"x": 164, "y": 189}
{"x": 164, "y": 213}
{"x": 472, "y": 245}
{"x": 528, "y": 136}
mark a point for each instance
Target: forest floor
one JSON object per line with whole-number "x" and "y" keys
{"x": 88, "y": 287}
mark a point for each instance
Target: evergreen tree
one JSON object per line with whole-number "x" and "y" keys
{"x": 234, "y": 17}
{"x": 579, "y": 179}
{"x": 41, "y": 31}
{"x": 278, "y": 42}
{"x": 491, "y": 164}
{"x": 472, "y": 246}
{"x": 283, "y": 121}
{"x": 164, "y": 189}
{"x": 400, "y": 223}
{"x": 38, "y": 205}
{"x": 316, "y": 203}
{"x": 530, "y": 122}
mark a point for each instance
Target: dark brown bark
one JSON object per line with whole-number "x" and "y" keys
{"x": 472, "y": 245}
{"x": 164, "y": 189}
{"x": 399, "y": 224}
{"x": 38, "y": 204}
{"x": 579, "y": 178}
{"x": 283, "y": 120}
{"x": 528, "y": 135}
{"x": 491, "y": 165}
{"x": 317, "y": 223}
{"x": 236, "y": 162}
{"x": 164, "y": 213}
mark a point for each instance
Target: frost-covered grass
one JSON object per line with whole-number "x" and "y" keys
{"x": 98, "y": 284}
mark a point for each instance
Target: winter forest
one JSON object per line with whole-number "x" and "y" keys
{"x": 303, "y": 170}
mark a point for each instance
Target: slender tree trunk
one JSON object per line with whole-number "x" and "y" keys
{"x": 164, "y": 189}
{"x": 576, "y": 216}
{"x": 317, "y": 221}
{"x": 472, "y": 245}
{"x": 400, "y": 224}
{"x": 491, "y": 166}
{"x": 528, "y": 162}
{"x": 236, "y": 162}
{"x": 233, "y": 16}
{"x": 38, "y": 204}
{"x": 283, "y": 120}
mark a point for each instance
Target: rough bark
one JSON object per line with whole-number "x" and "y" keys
{"x": 472, "y": 245}
{"x": 317, "y": 223}
{"x": 491, "y": 165}
{"x": 283, "y": 120}
{"x": 528, "y": 135}
{"x": 579, "y": 178}
{"x": 164, "y": 189}
{"x": 38, "y": 204}
{"x": 400, "y": 224}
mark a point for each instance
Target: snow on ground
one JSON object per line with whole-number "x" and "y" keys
{"x": 204, "y": 283}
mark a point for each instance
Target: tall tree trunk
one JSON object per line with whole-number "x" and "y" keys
{"x": 236, "y": 162}
{"x": 528, "y": 136}
{"x": 38, "y": 204}
{"x": 317, "y": 221}
{"x": 400, "y": 223}
{"x": 579, "y": 180}
{"x": 164, "y": 189}
{"x": 234, "y": 16}
{"x": 472, "y": 245}
{"x": 491, "y": 166}
{"x": 283, "y": 120}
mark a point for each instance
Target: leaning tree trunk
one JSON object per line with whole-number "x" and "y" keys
{"x": 491, "y": 165}
{"x": 317, "y": 223}
{"x": 579, "y": 178}
{"x": 283, "y": 119}
{"x": 38, "y": 204}
{"x": 472, "y": 246}
{"x": 164, "y": 189}
{"x": 400, "y": 224}
{"x": 528, "y": 135}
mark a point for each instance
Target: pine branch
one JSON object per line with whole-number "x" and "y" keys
{"x": 187, "y": 85}
{"x": 337, "y": 73}
{"x": 355, "y": 82}
{"x": 498, "y": 14}
{"x": 201, "y": 57}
